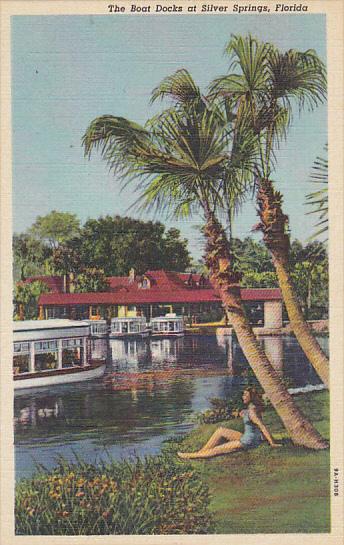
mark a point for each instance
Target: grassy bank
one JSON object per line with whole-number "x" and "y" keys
{"x": 269, "y": 490}
{"x": 259, "y": 491}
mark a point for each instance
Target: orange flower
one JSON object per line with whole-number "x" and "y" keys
{"x": 63, "y": 513}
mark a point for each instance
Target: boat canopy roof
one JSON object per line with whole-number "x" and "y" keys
{"x": 129, "y": 319}
{"x": 90, "y": 322}
{"x": 49, "y": 329}
{"x": 167, "y": 318}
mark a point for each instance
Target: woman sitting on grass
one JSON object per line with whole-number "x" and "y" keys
{"x": 254, "y": 432}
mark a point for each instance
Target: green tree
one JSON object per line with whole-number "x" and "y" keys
{"x": 117, "y": 244}
{"x": 55, "y": 228}
{"x": 26, "y": 297}
{"x": 253, "y": 279}
{"x": 29, "y": 256}
{"x": 309, "y": 267}
{"x": 262, "y": 92}
{"x": 176, "y": 255}
{"x": 91, "y": 280}
{"x": 66, "y": 257}
{"x": 251, "y": 255}
{"x": 188, "y": 158}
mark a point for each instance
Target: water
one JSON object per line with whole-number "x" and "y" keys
{"x": 150, "y": 392}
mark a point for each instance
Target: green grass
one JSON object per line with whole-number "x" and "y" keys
{"x": 269, "y": 490}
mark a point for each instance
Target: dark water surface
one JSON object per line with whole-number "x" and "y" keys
{"x": 150, "y": 392}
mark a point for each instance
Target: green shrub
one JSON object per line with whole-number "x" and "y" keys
{"x": 158, "y": 495}
{"x": 221, "y": 409}
{"x": 225, "y": 409}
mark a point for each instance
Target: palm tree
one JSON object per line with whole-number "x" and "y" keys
{"x": 262, "y": 92}
{"x": 318, "y": 200}
{"x": 187, "y": 159}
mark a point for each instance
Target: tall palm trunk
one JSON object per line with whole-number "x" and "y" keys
{"x": 273, "y": 225}
{"x": 226, "y": 281}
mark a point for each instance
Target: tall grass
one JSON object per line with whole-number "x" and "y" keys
{"x": 157, "y": 495}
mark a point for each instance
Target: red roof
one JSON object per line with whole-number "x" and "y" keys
{"x": 54, "y": 283}
{"x": 165, "y": 287}
{"x": 150, "y": 296}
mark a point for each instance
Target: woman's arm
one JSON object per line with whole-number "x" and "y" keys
{"x": 252, "y": 413}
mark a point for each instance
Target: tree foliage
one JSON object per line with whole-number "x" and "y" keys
{"x": 91, "y": 280}
{"x": 114, "y": 244}
{"x": 251, "y": 256}
{"x": 26, "y": 297}
{"x": 30, "y": 256}
{"x": 117, "y": 244}
{"x": 55, "y": 228}
{"x": 66, "y": 258}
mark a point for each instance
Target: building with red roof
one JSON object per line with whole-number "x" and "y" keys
{"x": 156, "y": 293}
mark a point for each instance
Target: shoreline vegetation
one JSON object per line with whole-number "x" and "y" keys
{"x": 164, "y": 495}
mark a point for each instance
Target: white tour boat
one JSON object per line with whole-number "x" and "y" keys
{"x": 168, "y": 325}
{"x": 49, "y": 352}
{"x": 135, "y": 326}
{"x": 98, "y": 328}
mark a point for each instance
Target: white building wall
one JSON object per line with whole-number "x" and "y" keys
{"x": 273, "y": 314}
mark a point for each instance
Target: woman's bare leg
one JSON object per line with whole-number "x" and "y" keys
{"x": 219, "y": 434}
{"x": 226, "y": 448}
{"x": 232, "y": 436}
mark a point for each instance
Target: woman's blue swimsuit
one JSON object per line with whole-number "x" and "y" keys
{"x": 252, "y": 436}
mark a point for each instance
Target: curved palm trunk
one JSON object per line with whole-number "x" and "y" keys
{"x": 273, "y": 225}
{"x": 218, "y": 259}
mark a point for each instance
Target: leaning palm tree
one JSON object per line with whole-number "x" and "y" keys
{"x": 264, "y": 89}
{"x": 183, "y": 161}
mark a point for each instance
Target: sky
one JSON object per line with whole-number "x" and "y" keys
{"x": 67, "y": 70}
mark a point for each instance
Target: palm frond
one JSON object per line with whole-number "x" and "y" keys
{"x": 297, "y": 76}
{"x": 318, "y": 200}
{"x": 180, "y": 87}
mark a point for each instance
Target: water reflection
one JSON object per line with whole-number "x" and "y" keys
{"x": 99, "y": 349}
{"x": 129, "y": 354}
{"x": 150, "y": 391}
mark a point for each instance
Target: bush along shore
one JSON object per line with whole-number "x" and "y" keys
{"x": 157, "y": 495}
{"x": 263, "y": 490}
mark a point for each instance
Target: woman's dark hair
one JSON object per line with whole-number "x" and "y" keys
{"x": 256, "y": 398}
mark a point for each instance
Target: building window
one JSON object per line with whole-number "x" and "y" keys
{"x": 21, "y": 347}
{"x": 46, "y": 355}
{"x": 51, "y": 313}
{"x": 46, "y": 361}
{"x": 134, "y": 327}
{"x": 72, "y": 357}
{"x": 72, "y": 353}
{"x": 45, "y": 346}
{"x": 71, "y": 343}
{"x": 21, "y": 364}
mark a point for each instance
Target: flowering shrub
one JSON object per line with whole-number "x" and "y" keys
{"x": 156, "y": 496}
{"x": 222, "y": 409}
